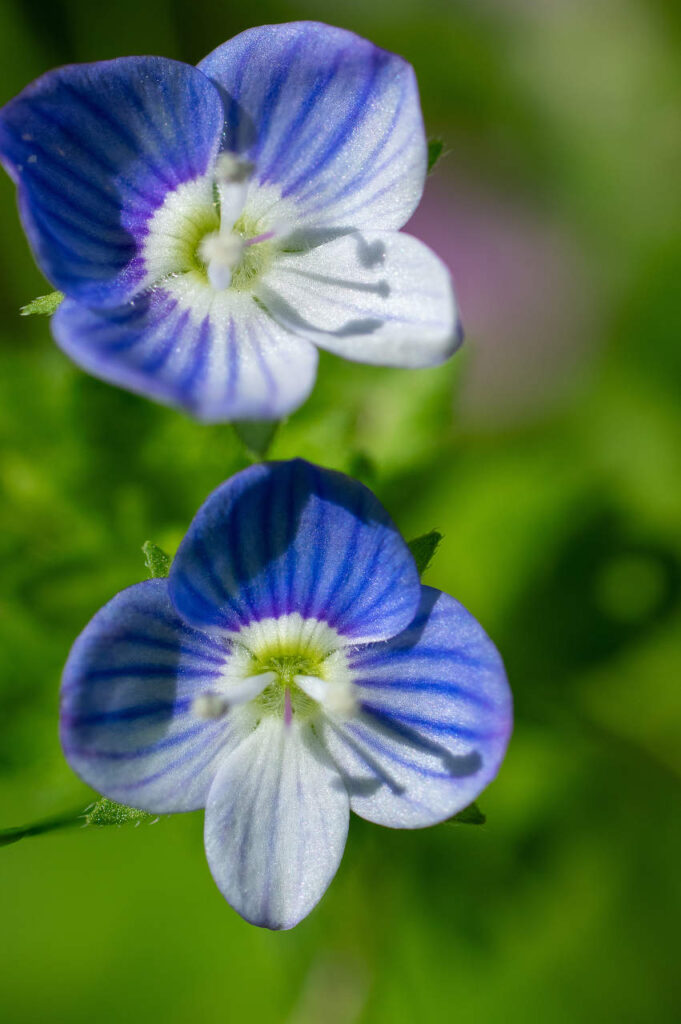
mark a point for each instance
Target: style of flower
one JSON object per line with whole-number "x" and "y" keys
{"x": 212, "y": 226}
{"x": 290, "y": 669}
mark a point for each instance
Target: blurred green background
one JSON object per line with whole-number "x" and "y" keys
{"x": 548, "y": 453}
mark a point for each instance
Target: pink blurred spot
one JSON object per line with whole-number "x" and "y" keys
{"x": 524, "y": 297}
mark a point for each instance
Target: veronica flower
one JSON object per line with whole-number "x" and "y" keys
{"x": 290, "y": 669}
{"x": 212, "y": 226}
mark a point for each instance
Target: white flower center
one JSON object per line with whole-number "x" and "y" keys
{"x": 214, "y": 231}
{"x": 289, "y": 666}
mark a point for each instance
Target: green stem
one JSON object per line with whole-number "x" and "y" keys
{"x": 69, "y": 820}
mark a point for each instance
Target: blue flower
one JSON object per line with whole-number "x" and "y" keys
{"x": 212, "y": 226}
{"x": 290, "y": 669}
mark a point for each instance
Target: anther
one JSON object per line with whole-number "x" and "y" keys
{"x": 216, "y": 704}
{"x": 337, "y": 697}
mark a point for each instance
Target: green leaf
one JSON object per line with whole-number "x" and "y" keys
{"x": 256, "y": 436}
{"x": 435, "y": 147}
{"x": 471, "y": 815}
{"x": 156, "y": 560}
{"x": 106, "y": 812}
{"x": 43, "y": 305}
{"x": 423, "y": 549}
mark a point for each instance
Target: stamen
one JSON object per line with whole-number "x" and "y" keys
{"x": 209, "y": 705}
{"x": 232, "y": 177}
{"x": 337, "y": 697}
{"x": 215, "y": 705}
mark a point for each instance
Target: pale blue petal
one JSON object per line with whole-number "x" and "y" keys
{"x": 332, "y": 122}
{"x": 435, "y": 719}
{"x": 276, "y": 824}
{"x": 373, "y": 297}
{"x": 216, "y": 368}
{"x": 127, "y": 726}
{"x": 291, "y": 537}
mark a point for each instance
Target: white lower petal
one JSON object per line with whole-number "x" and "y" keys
{"x": 374, "y": 297}
{"x": 276, "y": 824}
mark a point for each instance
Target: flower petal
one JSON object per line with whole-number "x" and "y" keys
{"x": 332, "y": 122}
{"x": 276, "y": 824}
{"x": 436, "y": 719}
{"x": 219, "y": 359}
{"x": 94, "y": 149}
{"x": 373, "y": 297}
{"x": 290, "y": 537}
{"x": 126, "y": 722}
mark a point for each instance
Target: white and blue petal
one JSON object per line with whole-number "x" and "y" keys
{"x": 218, "y": 356}
{"x": 332, "y": 122}
{"x": 373, "y": 297}
{"x": 435, "y": 719}
{"x": 95, "y": 149}
{"x": 289, "y": 537}
{"x": 127, "y": 726}
{"x": 276, "y": 824}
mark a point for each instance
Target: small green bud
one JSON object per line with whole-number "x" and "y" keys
{"x": 107, "y": 812}
{"x": 43, "y": 305}
{"x": 156, "y": 560}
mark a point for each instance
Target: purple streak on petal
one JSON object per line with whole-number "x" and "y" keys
{"x": 435, "y": 714}
{"x": 324, "y": 113}
{"x": 246, "y": 368}
{"x": 350, "y": 123}
{"x": 262, "y": 533}
{"x": 126, "y": 701}
{"x": 290, "y": 146}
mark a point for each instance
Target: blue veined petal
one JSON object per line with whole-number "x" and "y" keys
{"x": 276, "y": 824}
{"x": 126, "y": 722}
{"x": 218, "y": 360}
{"x": 289, "y": 537}
{"x": 95, "y": 149}
{"x": 435, "y": 720}
{"x": 331, "y": 121}
{"x": 374, "y": 297}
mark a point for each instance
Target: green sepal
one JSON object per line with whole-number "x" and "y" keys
{"x": 435, "y": 147}
{"x": 156, "y": 560}
{"x": 107, "y": 812}
{"x": 43, "y": 305}
{"x": 471, "y": 815}
{"x": 423, "y": 549}
{"x": 256, "y": 436}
